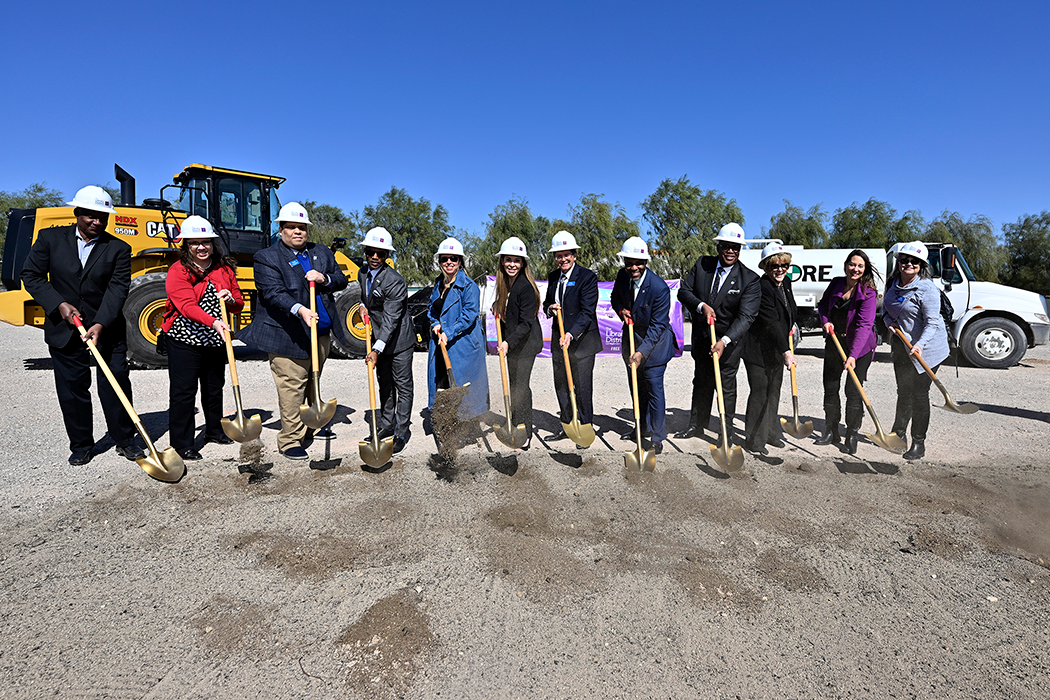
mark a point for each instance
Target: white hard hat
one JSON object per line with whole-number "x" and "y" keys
{"x": 731, "y": 233}
{"x": 772, "y": 249}
{"x": 916, "y": 249}
{"x": 94, "y": 198}
{"x": 379, "y": 238}
{"x": 563, "y": 240}
{"x": 449, "y": 246}
{"x": 513, "y": 246}
{"x": 634, "y": 247}
{"x": 196, "y": 227}
{"x": 293, "y": 211}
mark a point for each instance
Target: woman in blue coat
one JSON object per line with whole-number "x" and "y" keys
{"x": 454, "y": 310}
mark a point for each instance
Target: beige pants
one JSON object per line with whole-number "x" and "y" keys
{"x": 294, "y": 389}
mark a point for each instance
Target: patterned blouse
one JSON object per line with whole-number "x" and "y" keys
{"x": 190, "y": 332}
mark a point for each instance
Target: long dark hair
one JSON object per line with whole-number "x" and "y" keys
{"x": 868, "y": 278}
{"x": 504, "y": 283}
{"x": 218, "y": 257}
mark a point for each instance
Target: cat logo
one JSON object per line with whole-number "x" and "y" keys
{"x": 156, "y": 228}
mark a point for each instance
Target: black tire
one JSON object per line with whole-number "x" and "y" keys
{"x": 348, "y": 316}
{"x": 144, "y": 311}
{"x": 993, "y": 342}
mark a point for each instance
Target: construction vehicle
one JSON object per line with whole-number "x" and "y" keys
{"x": 240, "y": 205}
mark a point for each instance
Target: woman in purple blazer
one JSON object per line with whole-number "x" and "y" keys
{"x": 847, "y": 310}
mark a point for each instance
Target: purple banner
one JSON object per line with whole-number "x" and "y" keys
{"x": 609, "y": 324}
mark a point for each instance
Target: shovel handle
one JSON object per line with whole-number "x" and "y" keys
{"x": 448, "y": 364}
{"x": 904, "y": 338}
{"x": 371, "y": 373}
{"x": 229, "y": 343}
{"x": 853, "y": 375}
{"x": 502, "y": 361}
{"x": 794, "y": 379}
{"x": 565, "y": 352}
{"x": 106, "y": 371}
{"x": 315, "y": 365}
{"x": 634, "y": 385}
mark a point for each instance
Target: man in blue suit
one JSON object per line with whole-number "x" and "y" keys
{"x": 640, "y": 295}
{"x": 281, "y": 318}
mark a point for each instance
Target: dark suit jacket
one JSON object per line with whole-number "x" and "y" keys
{"x": 650, "y": 312}
{"x": 579, "y": 310}
{"x": 274, "y": 329}
{"x": 521, "y": 322}
{"x": 768, "y": 339}
{"x": 387, "y": 306}
{"x": 736, "y": 304}
{"x": 52, "y": 274}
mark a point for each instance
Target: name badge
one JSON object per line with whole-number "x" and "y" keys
{"x": 571, "y": 284}
{"x": 293, "y": 263}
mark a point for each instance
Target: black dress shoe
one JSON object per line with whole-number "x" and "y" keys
{"x": 399, "y": 444}
{"x": 131, "y": 452}
{"x": 189, "y": 455}
{"x": 560, "y": 435}
{"x": 632, "y": 435}
{"x": 776, "y": 442}
{"x": 755, "y": 449}
{"x": 79, "y": 458}
{"x": 692, "y": 431}
{"x": 657, "y": 447}
{"x": 222, "y": 439}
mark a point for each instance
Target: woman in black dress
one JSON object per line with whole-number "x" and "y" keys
{"x": 517, "y": 306}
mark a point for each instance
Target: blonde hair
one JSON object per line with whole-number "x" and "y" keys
{"x": 775, "y": 258}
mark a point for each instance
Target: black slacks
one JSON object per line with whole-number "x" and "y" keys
{"x": 704, "y": 387}
{"x": 519, "y": 374}
{"x": 582, "y": 372}
{"x": 762, "y": 419}
{"x": 190, "y": 366}
{"x": 394, "y": 375}
{"x": 913, "y": 393}
{"x": 833, "y": 371}
{"x": 73, "y": 385}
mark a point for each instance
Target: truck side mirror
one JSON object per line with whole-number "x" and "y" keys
{"x": 947, "y": 267}
{"x": 337, "y": 243}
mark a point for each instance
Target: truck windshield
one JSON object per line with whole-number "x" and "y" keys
{"x": 935, "y": 267}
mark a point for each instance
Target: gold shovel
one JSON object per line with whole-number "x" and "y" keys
{"x": 374, "y": 453}
{"x": 513, "y": 436}
{"x": 162, "y": 466}
{"x": 795, "y": 429}
{"x": 637, "y": 459}
{"x": 318, "y": 415}
{"x": 582, "y": 435}
{"x": 949, "y": 405}
{"x": 886, "y": 441}
{"x": 239, "y": 429}
{"x": 729, "y": 458}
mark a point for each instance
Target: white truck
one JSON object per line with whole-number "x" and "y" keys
{"x": 993, "y": 324}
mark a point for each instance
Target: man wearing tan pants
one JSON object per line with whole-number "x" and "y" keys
{"x": 282, "y": 318}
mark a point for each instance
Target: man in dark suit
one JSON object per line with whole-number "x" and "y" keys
{"x": 724, "y": 289}
{"x": 384, "y": 298}
{"x": 282, "y": 318}
{"x": 81, "y": 270}
{"x": 573, "y": 289}
{"x": 641, "y": 295}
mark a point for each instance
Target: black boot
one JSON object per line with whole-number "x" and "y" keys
{"x": 917, "y": 449}
{"x": 830, "y": 437}
{"x": 851, "y": 441}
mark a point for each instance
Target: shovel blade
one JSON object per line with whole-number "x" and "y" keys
{"x": 376, "y": 455}
{"x": 318, "y": 417}
{"x": 730, "y": 460}
{"x": 796, "y": 429}
{"x": 639, "y": 460}
{"x": 582, "y": 435}
{"x": 240, "y": 429}
{"x": 163, "y": 466}
{"x": 515, "y": 438}
{"x": 964, "y": 408}
{"x": 891, "y": 442}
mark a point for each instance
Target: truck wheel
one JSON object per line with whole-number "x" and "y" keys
{"x": 993, "y": 342}
{"x": 144, "y": 312}
{"x": 348, "y": 316}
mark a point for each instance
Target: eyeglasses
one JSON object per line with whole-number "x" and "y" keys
{"x": 908, "y": 262}
{"x": 729, "y": 246}
{"x": 779, "y": 266}
{"x": 199, "y": 244}
{"x": 375, "y": 253}
{"x": 448, "y": 258}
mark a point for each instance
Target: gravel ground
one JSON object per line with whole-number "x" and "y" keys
{"x": 551, "y": 573}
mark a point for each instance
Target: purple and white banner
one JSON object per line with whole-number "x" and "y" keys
{"x": 609, "y": 324}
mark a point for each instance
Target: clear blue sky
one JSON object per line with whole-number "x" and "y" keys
{"x": 926, "y": 105}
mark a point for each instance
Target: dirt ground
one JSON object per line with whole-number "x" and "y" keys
{"x": 551, "y": 573}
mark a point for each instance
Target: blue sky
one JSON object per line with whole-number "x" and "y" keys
{"x": 926, "y": 105}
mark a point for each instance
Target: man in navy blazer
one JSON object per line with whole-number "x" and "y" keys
{"x": 81, "y": 270}
{"x": 724, "y": 289}
{"x": 281, "y": 318}
{"x": 573, "y": 289}
{"x": 641, "y": 295}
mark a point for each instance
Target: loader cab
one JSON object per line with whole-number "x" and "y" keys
{"x": 240, "y": 204}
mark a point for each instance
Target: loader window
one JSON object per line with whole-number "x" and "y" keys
{"x": 275, "y": 208}
{"x": 193, "y": 198}
{"x": 239, "y": 204}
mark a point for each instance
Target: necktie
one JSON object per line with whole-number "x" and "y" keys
{"x": 561, "y": 288}
{"x": 719, "y": 278}
{"x": 369, "y": 281}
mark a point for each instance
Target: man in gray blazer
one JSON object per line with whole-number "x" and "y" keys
{"x": 724, "y": 289}
{"x": 384, "y": 301}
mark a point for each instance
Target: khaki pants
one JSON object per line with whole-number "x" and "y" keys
{"x": 294, "y": 389}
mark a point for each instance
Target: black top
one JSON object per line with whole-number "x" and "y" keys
{"x": 838, "y": 315}
{"x": 521, "y": 324}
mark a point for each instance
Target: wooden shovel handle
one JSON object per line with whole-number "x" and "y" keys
{"x": 852, "y": 374}
{"x": 565, "y": 352}
{"x": 371, "y": 369}
{"x": 794, "y": 379}
{"x": 904, "y": 338}
{"x": 444, "y": 353}
{"x": 718, "y": 371}
{"x": 502, "y": 358}
{"x": 229, "y": 343}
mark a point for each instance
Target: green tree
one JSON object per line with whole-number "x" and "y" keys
{"x": 514, "y": 218}
{"x": 36, "y": 195}
{"x": 794, "y": 226}
{"x": 1028, "y": 253}
{"x": 975, "y": 239}
{"x": 874, "y": 225}
{"x": 417, "y": 227}
{"x": 600, "y": 228}
{"x": 684, "y": 220}
{"x": 330, "y": 222}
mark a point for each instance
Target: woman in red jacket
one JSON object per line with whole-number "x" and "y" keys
{"x": 194, "y": 330}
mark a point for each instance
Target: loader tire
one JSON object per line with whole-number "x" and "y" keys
{"x": 144, "y": 312}
{"x": 348, "y": 316}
